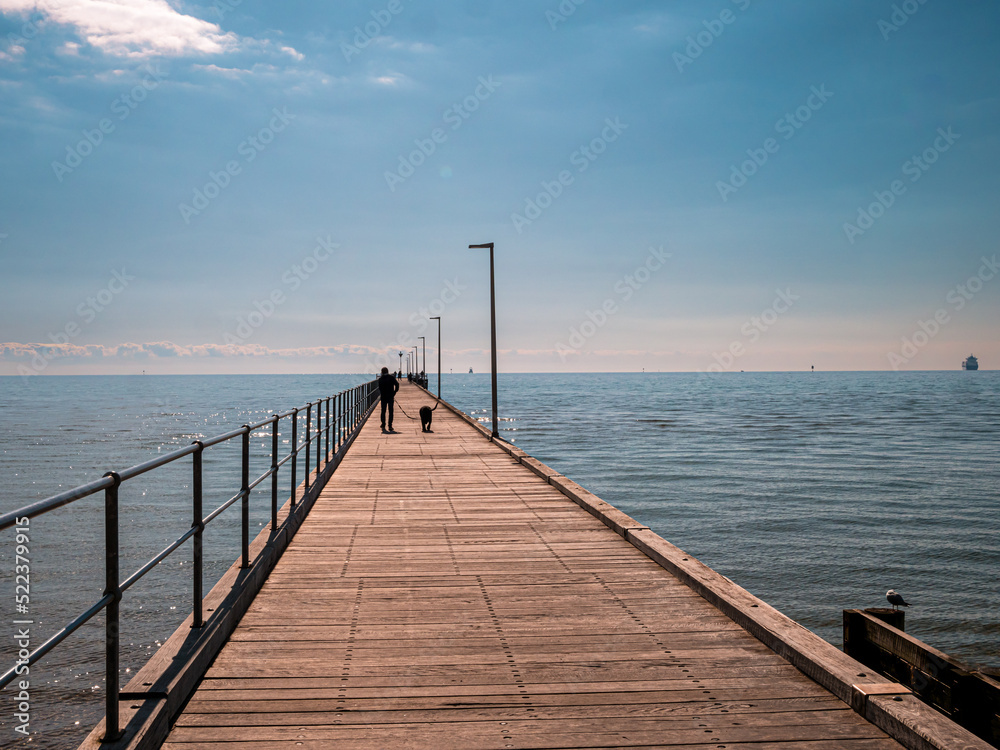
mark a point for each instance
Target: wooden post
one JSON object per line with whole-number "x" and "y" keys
{"x": 894, "y": 617}
{"x": 857, "y": 643}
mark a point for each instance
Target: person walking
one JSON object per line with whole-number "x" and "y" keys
{"x": 387, "y": 387}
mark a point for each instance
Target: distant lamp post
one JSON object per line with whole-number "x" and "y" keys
{"x": 438, "y": 319}
{"x": 424, "y": 353}
{"x": 400, "y": 363}
{"x": 493, "y": 333}
{"x": 414, "y": 360}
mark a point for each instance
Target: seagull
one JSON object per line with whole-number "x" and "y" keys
{"x": 896, "y": 600}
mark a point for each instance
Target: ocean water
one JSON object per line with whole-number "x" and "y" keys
{"x": 815, "y": 491}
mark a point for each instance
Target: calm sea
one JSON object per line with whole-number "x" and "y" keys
{"x": 815, "y": 491}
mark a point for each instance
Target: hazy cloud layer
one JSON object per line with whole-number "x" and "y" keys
{"x": 166, "y": 349}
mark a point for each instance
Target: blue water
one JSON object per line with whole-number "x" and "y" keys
{"x": 816, "y": 492}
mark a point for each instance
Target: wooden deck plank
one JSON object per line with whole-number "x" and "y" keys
{"x": 442, "y": 595}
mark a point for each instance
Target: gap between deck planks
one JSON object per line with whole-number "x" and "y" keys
{"x": 440, "y": 595}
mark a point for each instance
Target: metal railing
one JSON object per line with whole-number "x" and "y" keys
{"x": 337, "y": 419}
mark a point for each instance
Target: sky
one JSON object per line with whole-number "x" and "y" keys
{"x": 725, "y": 185}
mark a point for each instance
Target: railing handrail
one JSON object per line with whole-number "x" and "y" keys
{"x": 55, "y": 501}
{"x": 353, "y": 405}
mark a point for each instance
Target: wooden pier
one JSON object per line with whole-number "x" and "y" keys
{"x": 447, "y": 591}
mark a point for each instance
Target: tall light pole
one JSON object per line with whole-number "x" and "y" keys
{"x": 438, "y": 319}
{"x": 493, "y": 333}
{"x": 424, "y": 339}
{"x": 415, "y": 358}
{"x": 400, "y": 363}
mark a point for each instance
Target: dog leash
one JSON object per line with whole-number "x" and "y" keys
{"x": 400, "y": 407}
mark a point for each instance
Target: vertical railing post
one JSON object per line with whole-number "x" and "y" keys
{"x": 329, "y": 422}
{"x": 319, "y": 438}
{"x": 340, "y": 420}
{"x": 308, "y": 443}
{"x": 112, "y": 627}
{"x": 245, "y": 492}
{"x": 295, "y": 454}
{"x": 275, "y": 423}
{"x": 198, "y": 522}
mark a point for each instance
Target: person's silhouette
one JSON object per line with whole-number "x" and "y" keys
{"x": 387, "y": 387}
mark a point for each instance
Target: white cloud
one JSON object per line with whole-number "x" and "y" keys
{"x": 131, "y": 28}
{"x": 232, "y": 72}
{"x": 13, "y": 53}
{"x": 420, "y": 48}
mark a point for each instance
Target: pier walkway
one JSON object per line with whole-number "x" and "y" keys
{"x": 442, "y": 594}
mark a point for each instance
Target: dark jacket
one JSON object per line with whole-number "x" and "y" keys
{"x": 387, "y": 386}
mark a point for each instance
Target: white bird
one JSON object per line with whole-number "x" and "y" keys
{"x": 896, "y": 600}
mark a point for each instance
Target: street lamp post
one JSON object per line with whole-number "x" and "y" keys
{"x": 424, "y": 354}
{"x": 414, "y": 360}
{"x": 493, "y": 333}
{"x": 400, "y": 363}
{"x": 438, "y": 319}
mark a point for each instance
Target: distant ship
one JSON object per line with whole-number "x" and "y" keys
{"x": 971, "y": 363}
{"x": 470, "y": 370}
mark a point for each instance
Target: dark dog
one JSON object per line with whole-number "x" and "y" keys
{"x": 426, "y": 413}
{"x": 425, "y": 417}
